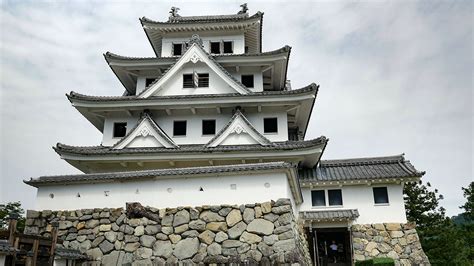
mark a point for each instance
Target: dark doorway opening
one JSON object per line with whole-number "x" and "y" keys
{"x": 330, "y": 246}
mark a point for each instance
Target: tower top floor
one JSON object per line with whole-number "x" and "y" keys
{"x": 239, "y": 33}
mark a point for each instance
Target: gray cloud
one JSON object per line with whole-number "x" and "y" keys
{"x": 395, "y": 77}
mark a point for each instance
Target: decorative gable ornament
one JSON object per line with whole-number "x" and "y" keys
{"x": 146, "y": 134}
{"x": 194, "y": 54}
{"x": 238, "y": 131}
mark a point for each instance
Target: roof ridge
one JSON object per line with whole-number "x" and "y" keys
{"x": 304, "y": 89}
{"x": 364, "y": 160}
{"x": 201, "y": 19}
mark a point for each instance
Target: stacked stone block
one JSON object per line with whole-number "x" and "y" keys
{"x": 258, "y": 233}
{"x": 393, "y": 240}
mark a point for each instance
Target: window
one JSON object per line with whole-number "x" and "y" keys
{"x": 270, "y": 125}
{"x": 149, "y": 81}
{"x": 335, "y": 197}
{"x": 318, "y": 198}
{"x": 203, "y": 80}
{"x": 380, "y": 195}
{"x": 200, "y": 80}
{"x": 188, "y": 81}
{"x": 179, "y": 128}
{"x": 247, "y": 80}
{"x": 177, "y": 49}
{"x": 120, "y": 129}
{"x": 228, "y": 47}
{"x": 222, "y": 47}
{"x": 215, "y": 47}
{"x": 208, "y": 127}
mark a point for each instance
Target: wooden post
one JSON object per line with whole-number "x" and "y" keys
{"x": 12, "y": 239}
{"x": 35, "y": 252}
{"x": 54, "y": 239}
{"x": 13, "y": 220}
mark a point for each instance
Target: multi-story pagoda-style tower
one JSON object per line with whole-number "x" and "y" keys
{"x": 213, "y": 120}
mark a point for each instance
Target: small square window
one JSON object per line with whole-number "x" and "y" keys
{"x": 203, "y": 80}
{"x": 177, "y": 49}
{"x": 120, "y": 129}
{"x": 270, "y": 125}
{"x": 208, "y": 127}
{"x": 335, "y": 197}
{"x": 149, "y": 81}
{"x": 247, "y": 80}
{"x": 380, "y": 195}
{"x": 318, "y": 198}
{"x": 215, "y": 47}
{"x": 179, "y": 128}
{"x": 228, "y": 47}
{"x": 188, "y": 81}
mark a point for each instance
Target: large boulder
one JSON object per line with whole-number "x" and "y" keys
{"x": 186, "y": 248}
{"x": 162, "y": 249}
{"x": 261, "y": 227}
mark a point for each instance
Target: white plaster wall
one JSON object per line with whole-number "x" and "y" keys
{"x": 184, "y": 192}
{"x": 194, "y": 127}
{"x": 107, "y": 137}
{"x": 257, "y": 78}
{"x": 239, "y": 42}
{"x": 141, "y": 82}
{"x": 361, "y": 197}
{"x": 2, "y": 260}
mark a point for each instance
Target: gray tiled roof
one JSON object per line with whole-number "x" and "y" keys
{"x": 133, "y": 175}
{"x": 67, "y": 253}
{"x": 6, "y": 248}
{"x": 284, "y": 49}
{"x": 191, "y": 148}
{"x": 77, "y": 96}
{"x": 360, "y": 169}
{"x": 329, "y": 215}
{"x": 204, "y": 19}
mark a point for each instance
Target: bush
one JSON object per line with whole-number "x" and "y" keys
{"x": 376, "y": 262}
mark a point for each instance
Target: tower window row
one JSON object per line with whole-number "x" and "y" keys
{"x": 215, "y": 47}
{"x": 201, "y": 80}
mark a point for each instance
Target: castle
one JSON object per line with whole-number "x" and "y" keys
{"x": 209, "y": 136}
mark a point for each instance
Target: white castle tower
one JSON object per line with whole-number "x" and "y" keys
{"x": 212, "y": 120}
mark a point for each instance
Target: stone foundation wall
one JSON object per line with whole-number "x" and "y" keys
{"x": 262, "y": 232}
{"x": 397, "y": 241}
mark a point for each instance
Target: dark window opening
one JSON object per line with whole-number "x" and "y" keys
{"x": 188, "y": 81}
{"x": 149, "y": 81}
{"x": 246, "y": 49}
{"x": 318, "y": 198}
{"x": 228, "y": 48}
{"x": 247, "y": 80}
{"x": 215, "y": 47}
{"x": 335, "y": 197}
{"x": 179, "y": 128}
{"x": 270, "y": 125}
{"x": 120, "y": 130}
{"x": 177, "y": 48}
{"x": 203, "y": 80}
{"x": 380, "y": 195}
{"x": 208, "y": 127}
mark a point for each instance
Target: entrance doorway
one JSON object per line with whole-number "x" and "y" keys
{"x": 330, "y": 246}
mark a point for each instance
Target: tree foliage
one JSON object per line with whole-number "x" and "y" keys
{"x": 468, "y": 206}
{"x": 12, "y": 208}
{"x": 443, "y": 242}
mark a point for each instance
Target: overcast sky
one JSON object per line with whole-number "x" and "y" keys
{"x": 396, "y": 77}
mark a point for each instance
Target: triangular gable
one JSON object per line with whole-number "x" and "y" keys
{"x": 146, "y": 134}
{"x": 238, "y": 131}
{"x": 195, "y": 54}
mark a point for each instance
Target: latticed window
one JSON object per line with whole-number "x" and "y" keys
{"x": 195, "y": 80}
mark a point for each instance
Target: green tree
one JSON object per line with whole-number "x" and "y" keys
{"x": 12, "y": 208}
{"x": 441, "y": 240}
{"x": 469, "y": 205}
